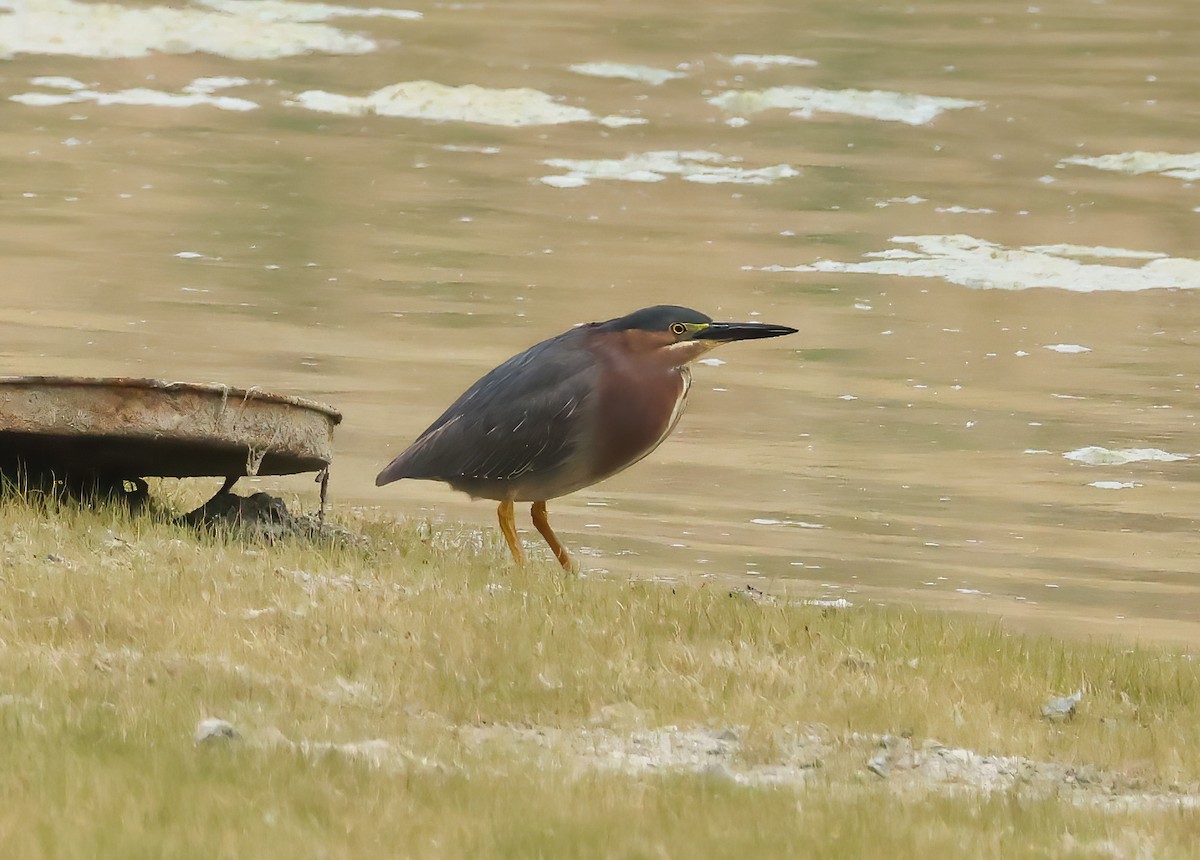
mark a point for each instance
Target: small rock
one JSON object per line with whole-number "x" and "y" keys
{"x": 719, "y": 770}
{"x": 620, "y": 715}
{"x": 1062, "y": 707}
{"x": 895, "y": 753}
{"x": 1086, "y": 775}
{"x": 958, "y": 756}
{"x": 264, "y": 517}
{"x": 856, "y": 659}
{"x": 213, "y": 729}
{"x": 879, "y": 764}
{"x": 753, "y": 595}
{"x": 102, "y": 663}
{"x": 728, "y": 735}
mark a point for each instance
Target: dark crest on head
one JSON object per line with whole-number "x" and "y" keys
{"x": 657, "y": 318}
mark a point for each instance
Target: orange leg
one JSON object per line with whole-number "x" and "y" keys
{"x": 541, "y": 522}
{"x": 508, "y": 528}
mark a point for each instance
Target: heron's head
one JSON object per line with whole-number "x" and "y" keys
{"x": 679, "y": 335}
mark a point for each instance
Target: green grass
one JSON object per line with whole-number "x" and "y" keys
{"x": 487, "y": 686}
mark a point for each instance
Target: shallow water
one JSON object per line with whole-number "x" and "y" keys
{"x": 934, "y": 193}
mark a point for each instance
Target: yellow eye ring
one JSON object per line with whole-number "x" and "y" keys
{"x": 678, "y": 329}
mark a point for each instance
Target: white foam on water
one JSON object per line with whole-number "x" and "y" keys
{"x": 1184, "y": 166}
{"x": 910, "y": 200}
{"x": 1098, "y": 251}
{"x": 239, "y": 29}
{"x": 980, "y": 264}
{"x": 568, "y": 181}
{"x": 696, "y": 166}
{"x": 763, "y": 61}
{"x": 482, "y": 150}
{"x": 1095, "y": 455}
{"x": 806, "y": 102}
{"x": 286, "y": 10}
{"x": 58, "y": 82}
{"x": 191, "y": 96}
{"x": 433, "y": 101}
{"x": 767, "y": 521}
{"x": 213, "y": 84}
{"x": 621, "y": 121}
{"x": 628, "y": 71}
{"x": 1068, "y": 348}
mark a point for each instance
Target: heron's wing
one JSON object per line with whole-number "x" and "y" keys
{"x": 520, "y": 418}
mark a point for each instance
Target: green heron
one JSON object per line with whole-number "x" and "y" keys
{"x": 568, "y": 412}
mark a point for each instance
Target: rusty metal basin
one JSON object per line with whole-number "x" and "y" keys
{"x": 141, "y": 428}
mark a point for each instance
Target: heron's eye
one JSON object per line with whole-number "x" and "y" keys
{"x": 678, "y": 329}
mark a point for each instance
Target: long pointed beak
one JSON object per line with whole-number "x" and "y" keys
{"x": 726, "y": 331}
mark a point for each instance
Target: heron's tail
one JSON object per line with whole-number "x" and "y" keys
{"x": 394, "y": 471}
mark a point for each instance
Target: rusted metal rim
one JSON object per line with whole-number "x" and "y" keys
{"x": 125, "y": 428}
{"x": 162, "y": 385}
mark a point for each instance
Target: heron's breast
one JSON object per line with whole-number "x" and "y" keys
{"x": 636, "y": 412}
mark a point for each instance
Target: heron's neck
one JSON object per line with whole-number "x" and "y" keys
{"x": 681, "y": 354}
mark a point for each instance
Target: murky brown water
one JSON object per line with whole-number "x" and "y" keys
{"x": 383, "y": 263}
